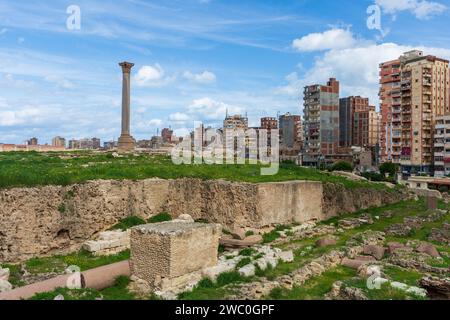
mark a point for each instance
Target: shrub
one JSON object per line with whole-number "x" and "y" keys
{"x": 206, "y": 283}
{"x": 162, "y": 217}
{"x": 271, "y": 236}
{"x": 249, "y": 233}
{"x": 247, "y": 252}
{"x": 128, "y": 223}
{"x": 243, "y": 262}
{"x": 390, "y": 168}
{"x": 228, "y": 277}
{"x": 342, "y": 166}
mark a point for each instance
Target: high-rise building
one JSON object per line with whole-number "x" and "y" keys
{"x": 235, "y": 122}
{"x": 374, "y": 127}
{"x": 269, "y": 123}
{"x": 414, "y": 91}
{"x": 321, "y": 121}
{"x": 58, "y": 142}
{"x": 32, "y": 142}
{"x": 290, "y": 130}
{"x": 425, "y": 96}
{"x": 353, "y": 121}
{"x": 166, "y": 135}
{"x": 442, "y": 146}
{"x": 390, "y": 111}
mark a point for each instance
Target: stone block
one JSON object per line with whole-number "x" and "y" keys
{"x": 247, "y": 271}
{"x": 4, "y": 274}
{"x": 286, "y": 256}
{"x": 5, "y": 286}
{"x": 325, "y": 242}
{"x": 375, "y": 251}
{"x": 428, "y": 249}
{"x": 164, "y": 254}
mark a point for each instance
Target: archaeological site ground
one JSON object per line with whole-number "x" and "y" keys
{"x": 91, "y": 226}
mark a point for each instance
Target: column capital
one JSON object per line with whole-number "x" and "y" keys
{"x": 126, "y": 66}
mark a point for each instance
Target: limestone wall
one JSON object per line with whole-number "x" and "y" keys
{"x": 54, "y": 219}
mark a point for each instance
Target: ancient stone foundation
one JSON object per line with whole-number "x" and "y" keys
{"x": 168, "y": 255}
{"x": 55, "y": 220}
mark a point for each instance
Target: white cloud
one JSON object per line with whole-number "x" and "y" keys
{"x": 332, "y": 39}
{"x": 179, "y": 117}
{"x": 151, "y": 76}
{"x": 25, "y": 115}
{"x": 209, "y": 109}
{"x": 355, "y": 68}
{"x": 204, "y": 77}
{"x": 155, "y": 123}
{"x": 3, "y": 31}
{"x": 60, "y": 81}
{"x": 422, "y": 9}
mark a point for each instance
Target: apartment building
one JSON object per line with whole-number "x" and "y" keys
{"x": 58, "y": 142}
{"x": 374, "y": 127}
{"x": 442, "y": 146}
{"x": 291, "y": 135}
{"x": 269, "y": 123}
{"x": 321, "y": 121}
{"x": 424, "y": 97}
{"x": 353, "y": 121}
{"x": 390, "y": 112}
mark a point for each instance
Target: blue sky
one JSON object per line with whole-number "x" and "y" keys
{"x": 194, "y": 59}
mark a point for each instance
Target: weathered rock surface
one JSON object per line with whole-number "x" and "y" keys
{"x": 437, "y": 288}
{"x": 236, "y": 243}
{"x": 5, "y": 286}
{"x": 4, "y": 274}
{"x": 375, "y": 251}
{"x": 59, "y": 219}
{"x": 325, "y": 242}
{"x": 428, "y": 249}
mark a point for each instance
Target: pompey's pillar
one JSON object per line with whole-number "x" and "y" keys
{"x": 126, "y": 141}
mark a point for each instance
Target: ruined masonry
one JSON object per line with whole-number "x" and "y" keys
{"x": 162, "y": 253}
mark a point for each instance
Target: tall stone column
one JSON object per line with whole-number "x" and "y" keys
{"x": 126, "y": 141}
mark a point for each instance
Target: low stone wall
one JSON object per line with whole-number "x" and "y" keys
{"x": 54, "y": 219}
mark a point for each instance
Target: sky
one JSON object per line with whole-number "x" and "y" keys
{"x": 194, "y": 59}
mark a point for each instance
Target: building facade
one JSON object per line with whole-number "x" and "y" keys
{"x": 390, "y": 111}
{"x": 425, "y": 96}
{"x": 442, "y": 146}
{"x": 269, "y": 123}
{"x": 353, "y": 122}
{"x": 291, "y": 135}
{"x": 321, "y": 121}
{"x": 58, "y": 142}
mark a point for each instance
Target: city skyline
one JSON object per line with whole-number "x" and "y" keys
{"x": 241, "y": 57}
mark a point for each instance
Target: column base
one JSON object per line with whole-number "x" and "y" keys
{"x": 126, "y": 144}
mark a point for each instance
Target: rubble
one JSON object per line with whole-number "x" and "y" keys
{"x": 436, "y": 287}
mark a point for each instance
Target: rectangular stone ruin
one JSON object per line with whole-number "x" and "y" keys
{"x": 108, "y": 243}
{"x": 169, "y": 255}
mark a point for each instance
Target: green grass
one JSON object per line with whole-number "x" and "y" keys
{"x": 410, "y": 277}
{"x": 247, "y": 252}
{"x": 82, "y": 259}
{"x": 386, "y": 292}
{"x": 128, "y": 223}
{"x": 314, "y": 288}
{"x": 117, "y": 292}
{"x": 210, "y": 290}
{"x": 162, "y": 217}
{"x": 25, "y": 169}
{"x": 243, "y": 262}
{"x": 14, "y": 274}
